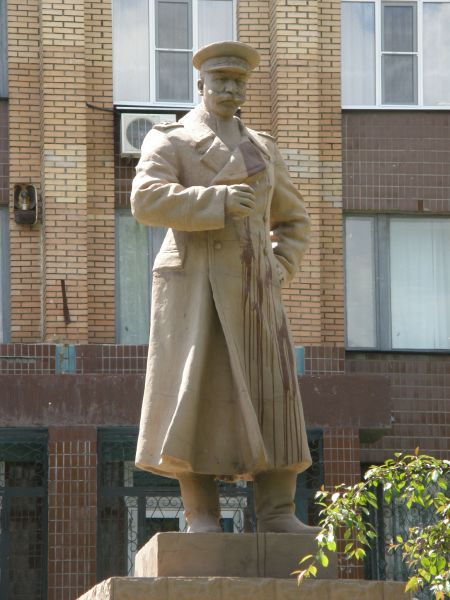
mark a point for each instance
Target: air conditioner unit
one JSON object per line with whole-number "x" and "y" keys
{"x": 135, "y": 126}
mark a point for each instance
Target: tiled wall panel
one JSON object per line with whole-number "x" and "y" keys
{"x": 396, "y": 161}
{"x": 72, "y": 506}
{"x": 421, "y": 402}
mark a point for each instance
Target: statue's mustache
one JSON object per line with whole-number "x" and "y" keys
{"x": 226, "y": 96}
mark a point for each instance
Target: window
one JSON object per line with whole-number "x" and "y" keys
{"x": 153, "y": 44}
{"x": 3, "y": 51}
{"x": 4, "y": 275}
{"x": 397, "y": 282}
{"x": 395, "y": 53}
{"x": 136, "y": 249}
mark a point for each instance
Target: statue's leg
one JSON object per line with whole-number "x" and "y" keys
{"x": 274, "y": 503}
{"x": 201, "y": 502}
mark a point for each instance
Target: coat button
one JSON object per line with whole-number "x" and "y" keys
{"x": 217, "y": 245}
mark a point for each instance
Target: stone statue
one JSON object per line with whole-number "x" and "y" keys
{"x": 221, "y": 395}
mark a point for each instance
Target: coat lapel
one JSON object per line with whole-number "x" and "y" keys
{"x": 249, "y": 158}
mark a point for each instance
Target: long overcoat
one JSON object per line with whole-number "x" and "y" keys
{"x": 221, "y": 392}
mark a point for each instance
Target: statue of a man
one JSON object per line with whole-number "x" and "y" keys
{"x": 221, "y": 395}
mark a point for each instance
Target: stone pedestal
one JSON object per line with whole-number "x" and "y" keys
{"x": 227, "y": 555}
{"x": 227, "y": 588}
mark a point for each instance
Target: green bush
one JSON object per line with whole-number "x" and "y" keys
{"x": 415, "y": 480}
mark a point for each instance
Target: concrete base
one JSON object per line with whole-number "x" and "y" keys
{"x": 227, "y": 588}
{"x": 227, "y": 555}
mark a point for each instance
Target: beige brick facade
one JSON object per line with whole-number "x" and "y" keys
{"x": 60, "y": 59}
{"x": 299, "y": 81}
{"x": 61, "y": 139}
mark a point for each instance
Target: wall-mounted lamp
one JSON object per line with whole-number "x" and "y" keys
{"x": 25, "y": 204}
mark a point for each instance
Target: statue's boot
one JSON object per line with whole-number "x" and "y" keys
{"x": 201, "y": 502}
{"x": 274, "y": 493}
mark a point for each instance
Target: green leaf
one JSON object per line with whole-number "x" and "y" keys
{"x": 347, "y": 534}
{"x": 324, "y": 560}
{"x": 360, "y": 553}
{"x": 313, "y": 570}
{"x": 305, "y": 558}
{"x": 331, "y": 545}
{"x": 412, "y": 585}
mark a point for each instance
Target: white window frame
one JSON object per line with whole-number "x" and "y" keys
{"x": 153, "y": 102}
{"x": 382, "y": 274}
{"x": 378, "y": 54}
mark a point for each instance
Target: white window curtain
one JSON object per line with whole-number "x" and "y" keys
{"x": 131, "y": 50}
{"x": 360, "y": 282}
{"x": 358, "y": 53}
{"x": 436, "y": 53}
{"x": 420, "y": 283}
{"x": 215, "y": 21}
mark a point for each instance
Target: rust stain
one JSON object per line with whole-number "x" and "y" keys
{"x": 267, "y": 346}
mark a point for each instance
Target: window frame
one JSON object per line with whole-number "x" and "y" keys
{"x": 378, "y": 6}
{"x": 382, "y": 277}
{"x": 175, "y": 104}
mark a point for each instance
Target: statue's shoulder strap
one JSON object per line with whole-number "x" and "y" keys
{"x": 267, "y": 135}
{"x": 167, "y": 126}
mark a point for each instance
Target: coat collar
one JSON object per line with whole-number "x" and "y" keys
{"x": 229, "y": 165}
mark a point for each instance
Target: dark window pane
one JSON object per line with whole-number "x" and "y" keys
{"x": 174, "y": 76}
{"x": 173, "y": 25}
{"x": 399, "y": 28}
{"x": 399, "y": 79}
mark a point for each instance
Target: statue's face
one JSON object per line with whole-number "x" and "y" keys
{"x": 223, "y": 91}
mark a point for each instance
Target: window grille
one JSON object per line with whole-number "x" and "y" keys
{"x": 133, "y": 504}
{"x": 23, "y": 515}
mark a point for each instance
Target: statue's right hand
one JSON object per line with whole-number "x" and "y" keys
{"x": 240, "y": 201}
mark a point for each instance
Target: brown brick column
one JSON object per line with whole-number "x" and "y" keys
{"x": 64, "y": 169}
{"x": 24, "y": 165}
{"x": 72, "y": 511}
{"x": 341, "y": 456}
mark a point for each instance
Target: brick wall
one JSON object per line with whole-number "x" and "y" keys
{"x": 64, "y": 169}
{"x": 100, "y": 173}
{"x": 60, "y": 58}
{"x": 300, "y": 70}
{"x": 4, "y": 154}
{"x": 24, "y": 164}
